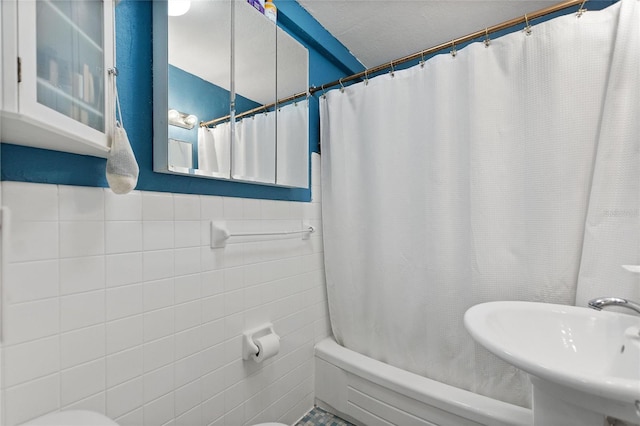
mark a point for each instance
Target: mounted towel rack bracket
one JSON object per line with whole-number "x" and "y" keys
{"x": 220, "y": 235}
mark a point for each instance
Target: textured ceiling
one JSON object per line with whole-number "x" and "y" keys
{"x": 377, "y": 31}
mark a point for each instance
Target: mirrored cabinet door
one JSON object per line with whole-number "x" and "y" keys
{"x": 254, "y": 143}
{"x": 219, "y": 74}
{"x": 199, "y": 88}
{"x": 292, "y": 161}
{"x": 63, "y": 89}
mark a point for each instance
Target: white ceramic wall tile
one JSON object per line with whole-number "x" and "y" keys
{"x": 158, "y": 353}
{"x": 30, "y": 321}
{"x": 124, "y": 398}
{"x": 188, "y": 397}
{"x": 31, "y": 400}
{"x": 186, "y": 207}
{"x": 188, "y": 342}
{"x": 29, "y": 202}
{"x": 81, "y": 238}
{"x": 133, "y": 418}
{"x": 80, "y": 203}
{"x": 124, "y": 366}
{"x": 157, "y": 265}
{"x": 144, "y": 319}
{"x": 31, "y": 281}
{"x": 234, "y": 278}
{"x": 158, "y": 324}
{"x": 187, "y": 315}
{"x": 158, "y": 383}
{"x": 252, "y": 208}
{"x": 28, "y": 360}
{"x": 212, "y": 308}
{"x": 213, "y": 359}
{"x": 124, "y": 301}
{"x": 211, "y": 207}
{"x": 213, "y": 333}
{"x": 234, "y": 396}
{"x": 251, "y": 298}
{"x": 123, "y": 207}
{"x": 191, "y": 417}
{"x": 124, "y": 334}
{"x": 233, "y": 302}
{"x": 160, "y": 411}
{"x": 188, "y": 288}
{"x": 81, "y": 274}
{"x": 33, "y": 241}
{"x": 253, "y": 406}
{"x": 158, "y": 235}
{"x": 123, "y": 269}
{"x": 123, "y": 237}
{"x": 233, "y": 208}
{"x": 233, "y": 348}
{"x": 213, "y": 409}
{"x": 187, "y": 234}
{"x": 212, "y": 259}
{"x": 82, "y": 381}
{"x": 212, "y": 283}
{"x": 187, "y": 370}
{"x": 80, "y": 346}
{"x": 187, "y": 261}
{"x": 158, "y": 294}
{"x": 157, "y": 206}
{"x": 233, "y": 255}
{"x": 274, "y": 209}
{"x": 82, "y": 310}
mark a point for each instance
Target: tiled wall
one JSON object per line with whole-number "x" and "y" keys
{"x": 117, "y": 304}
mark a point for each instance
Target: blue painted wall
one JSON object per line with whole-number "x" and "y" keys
{"x": 329, "y": 60}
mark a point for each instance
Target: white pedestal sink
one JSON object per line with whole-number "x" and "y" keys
{"x": 584, "y": 364}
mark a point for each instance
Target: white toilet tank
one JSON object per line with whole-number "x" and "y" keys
{"x": 72, "y": 418}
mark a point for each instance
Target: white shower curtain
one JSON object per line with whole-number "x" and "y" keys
{"x": 254, "y": 155}
{"x": 292, "y": 167}
{"x": 508, "y": 172}
{"x": 214, "y": 145}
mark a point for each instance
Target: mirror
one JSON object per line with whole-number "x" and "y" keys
{"x": 254, "y": 144}
{"x": 225, "y": 64}
{"x": 199, "y": 84}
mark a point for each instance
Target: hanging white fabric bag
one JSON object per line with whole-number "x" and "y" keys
{"x": 122, "y": 168}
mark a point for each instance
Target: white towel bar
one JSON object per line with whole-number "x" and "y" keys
{"x": 220, "y": 235}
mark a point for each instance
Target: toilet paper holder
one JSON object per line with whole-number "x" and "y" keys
{"x": 249, "y": 348}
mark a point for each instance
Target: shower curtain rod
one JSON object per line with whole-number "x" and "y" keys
{"x": 452, "y": 44}
{"x": 418, "y": 55}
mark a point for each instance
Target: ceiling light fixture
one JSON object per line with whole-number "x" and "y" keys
{"x": 178, "y": 7}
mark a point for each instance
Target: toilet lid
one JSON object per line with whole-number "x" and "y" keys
{"x": 72, "y": 418}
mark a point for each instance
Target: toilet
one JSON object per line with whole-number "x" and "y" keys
{"x": 84, "y": 418}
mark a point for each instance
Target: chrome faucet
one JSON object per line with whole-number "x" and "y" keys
{"x": 603, "y": 302}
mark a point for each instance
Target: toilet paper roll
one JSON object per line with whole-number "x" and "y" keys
{"x": 268, "y": 346}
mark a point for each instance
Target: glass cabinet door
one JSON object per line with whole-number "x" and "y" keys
{"x": 70, "y": 59}
{"x": 65, "y": 95}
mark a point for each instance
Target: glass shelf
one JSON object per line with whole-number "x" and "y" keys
{"x": 61, "y": 101}
{"x": 73, "y": 25}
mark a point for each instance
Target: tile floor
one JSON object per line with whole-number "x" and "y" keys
{"x": 319, "y": 417}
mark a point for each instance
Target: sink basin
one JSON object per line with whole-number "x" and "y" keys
{"x": 594, "y": 356}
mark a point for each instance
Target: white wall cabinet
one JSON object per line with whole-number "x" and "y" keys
{"x": 57, "y": 90}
